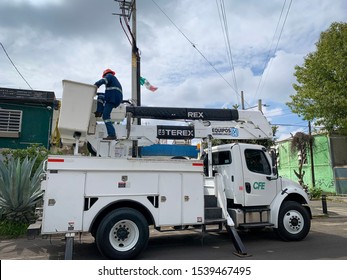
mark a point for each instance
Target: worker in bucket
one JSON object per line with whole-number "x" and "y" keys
{"x": 112, "y": 98}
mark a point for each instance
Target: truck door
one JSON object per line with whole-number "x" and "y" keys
{"x": 222, "y": 163}
{"x": 259, "y": 190}
{"x": 227, "y": 162}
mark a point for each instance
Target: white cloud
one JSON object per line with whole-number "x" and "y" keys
{"x": 278, "y": 77}
{"x": 37, "y": 3}
{"x": 52, "y": 40}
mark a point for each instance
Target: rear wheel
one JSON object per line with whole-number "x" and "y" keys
{"x": 293, "y": 221}
{"x": 122, "y": 234}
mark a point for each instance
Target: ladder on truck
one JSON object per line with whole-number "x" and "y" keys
{"x": 213, "y": 215}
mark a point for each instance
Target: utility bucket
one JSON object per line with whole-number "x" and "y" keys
{"x": 76, "y": 110}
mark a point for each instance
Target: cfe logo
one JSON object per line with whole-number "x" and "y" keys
{"x": 259, "y": 185}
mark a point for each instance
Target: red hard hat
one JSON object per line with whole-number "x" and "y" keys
{"x": 108, "y": 71}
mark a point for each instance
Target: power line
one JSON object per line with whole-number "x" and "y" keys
{"x": 270, "y": 48}
{"x": 286, "y": 124}
{"x": 284, "y": 22}
{"x": 258, "y": 91}
{"x": 15, "y": 65}
{"x": 195, "y": 47}
{"x": 225, "y": 30}
{"x": 275, "y": 113}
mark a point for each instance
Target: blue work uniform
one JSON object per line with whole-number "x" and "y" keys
{"x": 111, "y": 99}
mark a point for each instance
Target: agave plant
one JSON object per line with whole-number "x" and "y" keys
{"x": 19, "y": 189}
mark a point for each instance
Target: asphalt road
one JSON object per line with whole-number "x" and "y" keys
{"x": 327, "y": 240}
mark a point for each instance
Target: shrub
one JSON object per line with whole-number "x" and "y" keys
{"x": 34, "y": 151}
{"x": 316, "y": 192}
{"x": 19, "y": 189}
{"x": 12, "y": 229}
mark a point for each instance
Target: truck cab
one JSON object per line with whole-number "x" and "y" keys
{"x": 247, "y": 173}
{"x": 256, "y": 196}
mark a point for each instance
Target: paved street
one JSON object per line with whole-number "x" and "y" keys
{"x": 327, "y": 240}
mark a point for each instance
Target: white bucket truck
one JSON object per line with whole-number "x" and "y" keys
{"x": 116, "y": 197}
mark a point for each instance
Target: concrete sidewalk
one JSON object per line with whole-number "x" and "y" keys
{"x": 336, "y": 206}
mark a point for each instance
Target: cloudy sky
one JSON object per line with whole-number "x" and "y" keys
{"x": 183, "y": 48}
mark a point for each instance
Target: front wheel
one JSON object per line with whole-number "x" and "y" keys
{"x": 122, "y": 234}
{"x": 294, "y": 221}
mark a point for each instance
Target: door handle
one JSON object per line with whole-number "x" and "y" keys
{"x": 248, "y": 187}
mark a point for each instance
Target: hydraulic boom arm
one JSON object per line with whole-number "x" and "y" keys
{"x": 202, "y": 122}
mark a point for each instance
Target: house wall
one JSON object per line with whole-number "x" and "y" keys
{"x": 323, "y": 170}
{"x": 35, "y": 128}
{"x": 339, "y": 161}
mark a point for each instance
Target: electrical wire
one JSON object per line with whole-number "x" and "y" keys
{"x": 261, "y": 86}
{"x": 284, "y": 23}
{"x": 126, "y": 34}
{"x": 284, "y": 124}
{"x": 15, "y": 67}
{"x": 132, "y": 42}
{"x": 196, "y": 48}
{"x": 270, "y": 48}
{"x": 273, "y": 113}
{"x": 225, "y": 30}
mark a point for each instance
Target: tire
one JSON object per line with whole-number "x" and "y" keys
{"x": 294, "y": 221}
{"x": 122, "y": 234}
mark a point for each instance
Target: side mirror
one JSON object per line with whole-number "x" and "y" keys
{"x": 273, "y": 158}
{"x": 274, "y": 165}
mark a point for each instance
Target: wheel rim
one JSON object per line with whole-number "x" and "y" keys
{"x": 124, "y": 235}
{"x": 293, "y": 221}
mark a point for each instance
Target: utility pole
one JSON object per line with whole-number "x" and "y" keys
{"x": 242, "y": 100}
{"x": 311, "y": 155}
{"x": 135, "y": 62}
{"x": 128, "y": 10}
{"x": 260, "y": 105}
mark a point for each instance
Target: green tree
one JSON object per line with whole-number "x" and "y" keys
{"x": 299, "y": 146}
{"x": 321, "y": 92}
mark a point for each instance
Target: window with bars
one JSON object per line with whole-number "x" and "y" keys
{"x": 10, "y": 123}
